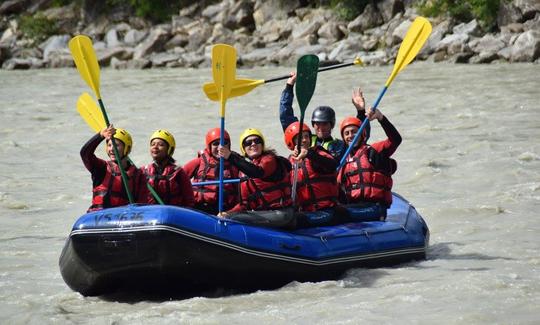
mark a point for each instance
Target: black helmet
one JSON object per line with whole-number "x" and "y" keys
{"x": 324, "y": 114}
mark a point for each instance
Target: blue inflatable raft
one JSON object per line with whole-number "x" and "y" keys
{"x": 175, "y": 249}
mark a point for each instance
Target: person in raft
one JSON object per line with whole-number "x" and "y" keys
{"x": 323, "y": 120}
{"x": 265, "y": 188}
{"x": 315, "y": 177}
{"x": 206, "y": 168}
{"x": 169, "y": 181}
{"x": 366, "y": 178}
{"x": 108, "y": 188}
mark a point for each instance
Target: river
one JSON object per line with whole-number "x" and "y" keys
{"x": 469, "y": 163}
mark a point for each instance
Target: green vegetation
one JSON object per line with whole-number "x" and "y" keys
{"x": 485, "y": 11}
{"x": 348, "y": 9}
{"x": 38, "y": 27}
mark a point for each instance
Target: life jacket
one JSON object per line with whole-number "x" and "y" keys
{"x": 315, "y": 191}
{"x": 362, "y": 181}
{"x": 335, "y": 147}
{"x": 165, "y": 183}
{"x": 111, "y": 192}
{"x": 208, "y": 170}
{"x": 272, "y": 192}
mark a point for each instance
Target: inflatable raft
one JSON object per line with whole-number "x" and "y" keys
{"x": 175, "y": 249}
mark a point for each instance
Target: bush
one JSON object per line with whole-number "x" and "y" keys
{"x": 485, "y": 11}
{"x": 348, "y": 9}
{"x": 38, "y": 27}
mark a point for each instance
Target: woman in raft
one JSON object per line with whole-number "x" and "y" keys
{"x": 265, "y": 188}
{"x": 366, "y": 178}
{"x": 169, "y": 181}
{"x": 205, "y": 168}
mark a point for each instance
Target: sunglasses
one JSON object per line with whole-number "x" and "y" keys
{"x": 216, "y": 143}
{"x": 248, "y": 143}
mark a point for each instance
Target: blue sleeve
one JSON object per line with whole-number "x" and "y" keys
{"x": 286, "y": 114}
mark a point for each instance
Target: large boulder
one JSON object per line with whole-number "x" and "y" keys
{"x": 389, "y": 8}
{"x": 134, "y": 36}
{"x": 526, "y": 48}
{"x": 54, "y": 43}
{"x": 13, "y": 7}
{"x": 155, "y": 42}
{"x": 265, "y": 10}
{"x": 367, "y": 19}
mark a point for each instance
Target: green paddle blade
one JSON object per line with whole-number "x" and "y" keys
{"x": 90, "y": 112}
{"x": 86, "y": 61}
{"x": 415, "y": 38}
{"x": 240, "y": 87}
{"x": 306, "y": 79}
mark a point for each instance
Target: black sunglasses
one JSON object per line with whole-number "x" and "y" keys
{"x": 216, "y": 143}
{"x": 248, "y": 143}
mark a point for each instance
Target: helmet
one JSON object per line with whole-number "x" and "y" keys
{"x": 167, "y": 137}
{"x": 213, "y": 135}
{"x": 324, "y": 114}
{"x": 125, "y": 137}
{"x": 348, "y": 121}
{"x": 291, "y": 131}
{"x": 247, "y": 133}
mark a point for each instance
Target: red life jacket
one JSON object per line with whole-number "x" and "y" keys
{"x": 166, "y": 184}
{"x": 208, "y": 170}
{"x": 272, "y": 192}
{"x": 111, "y": 192}
{"x": 315, "y": 191}
{"x": 361, "y": 181}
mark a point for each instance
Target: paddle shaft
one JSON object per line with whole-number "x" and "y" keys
{"x": 225, "y": 181}
{"x": 221, "y": 161}
{"x": 331, "y": 67}
{"x": 116, "y": 155}
{"x": 359, "y": 132}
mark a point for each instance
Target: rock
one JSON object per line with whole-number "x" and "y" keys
{"x": 198, "y": 35}
{"x": 330, "y": 31}
{"x": 153, "y": 43}
{"x": 306, "y": 28}
{"x": 399, "y": 33}
{"x": 191, "y": 10}
{"x": 389, "y": 8}
{"x": 60, "y": 58}
{"x": 118, "y": 64}
{"x": 526, "y": 47}
{"x": 461, "y": 57}
{"x": 240, "y": 15}
{"x": 178, "y": 40}
{"x": 471, "y": 28}
{"x": 9, "y": 37}
{"x": 528, "y": 8}
{"x": 193, "y": 60}
{"x": 53, "y": 43}
{"x": 161, "y": 59}
{"x": 484, "y": 57}
{"x": 367, "y": 19}
{"x": 437, "y": 34}
{"x": 122, "y": 53}
{"x": 453, "y": 43}
{"x": 508, "y": 13}
{"x": 265, "y": 10}
{"x": 487, "y": 44}
{"x": 134, "y": 36}
{"x": 66, "y": 18}
{"x": 513, "y": 28}
{"x": 532, "y": 24}
{"x": 374, "y": 58}
{"x": 17, "y": 64}
{"x": 220, "y": 34}
{"x": 139, "y": 64}
{"x": 13, "y": 7}
{"x": 179, "y": 23}
{"x": 258, "y": 55}
{"x": 111, "y": 38}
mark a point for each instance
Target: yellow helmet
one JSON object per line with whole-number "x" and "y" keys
{"x": 125, "y": 137}
{"x": 167, "y": 137}
{"x": 247, "y": 133}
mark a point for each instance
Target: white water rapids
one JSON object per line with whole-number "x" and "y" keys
{"x": 469, "y": 163}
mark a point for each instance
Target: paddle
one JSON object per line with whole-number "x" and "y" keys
{"x": 91, "y": 114}
{"x": 306, "y": 79}
{"x": 415, "y": 38}
{"x": 88, "y": 67}
{"x": 224, "y": 73}
{"x": 243, "y": 86}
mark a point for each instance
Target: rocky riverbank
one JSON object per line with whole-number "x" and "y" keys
{"x": 269, "y": 32}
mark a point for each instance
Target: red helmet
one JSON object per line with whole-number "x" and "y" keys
{"x": 291, "y": 131}
{"x": 213, "y": 135}
{"x": 348, "y": 121}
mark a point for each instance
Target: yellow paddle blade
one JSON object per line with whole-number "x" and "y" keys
{"x": 240, "y": 87}
{"x": 223, "y": 71}
{"x": 90, "y": 112}
{"x": 85, "y": 59}
{"x": 415, "y": 38}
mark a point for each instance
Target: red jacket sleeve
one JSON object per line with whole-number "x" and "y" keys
{"x": 190, "y": 168}
{"x": 187, "y": 191}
